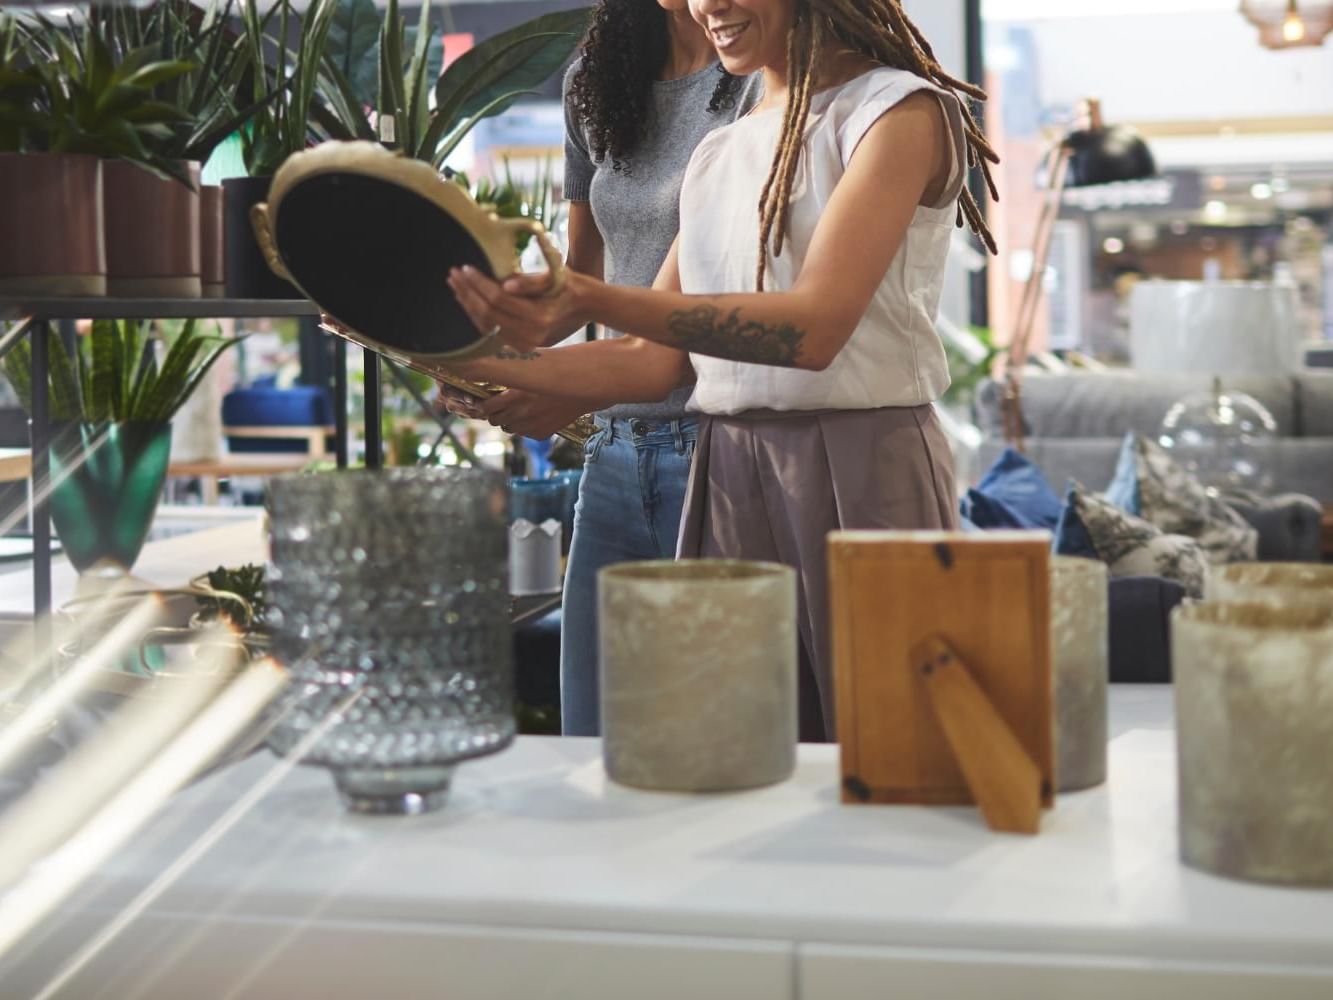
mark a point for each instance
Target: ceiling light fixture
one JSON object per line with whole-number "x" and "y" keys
{"x": 1286, "y": 24}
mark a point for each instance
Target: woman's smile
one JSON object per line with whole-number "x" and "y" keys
{"x": 726, "y": 36}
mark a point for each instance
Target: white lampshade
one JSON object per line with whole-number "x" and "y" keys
{"x": 1215, "y": 328}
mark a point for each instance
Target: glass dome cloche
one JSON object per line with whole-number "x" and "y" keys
{"x": 1223, "y": 437}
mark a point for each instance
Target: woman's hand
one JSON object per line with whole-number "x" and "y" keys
{"x": 530, "y": 414}
{"x": 458, "y": 402}
{"x": 514, "y": 411}
{"x": 523, "y": 313}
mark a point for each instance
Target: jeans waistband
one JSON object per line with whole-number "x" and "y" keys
{"x": 648, "y": 434}
{"x": 645, "y": 430}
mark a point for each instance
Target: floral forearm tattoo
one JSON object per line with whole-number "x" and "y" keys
{"x": 705, "y": 330}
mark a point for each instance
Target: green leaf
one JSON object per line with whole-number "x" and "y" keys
{"x": 18, "y": 369}
{"x": 144, "y": 382}
{"x": 104, "y": 377}
{"x": 339, "y": 114}
{"x": 156, "y": 73}
{"x": 415, "y": 110}
{"x": 444, "y": 151}
{"x": 218, "y": 348}
{"x": 131, "y": 357}
{"x": 354, "y": 47}
{"x": 392, "y": 98}
{"x": 66, "y": 398}
{"x": 155, "y": 403}
{"x": 516, "y": 60}
{"x": 490, "y": 73}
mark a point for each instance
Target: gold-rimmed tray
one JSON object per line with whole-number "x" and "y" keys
{"x": 370, "y": 237}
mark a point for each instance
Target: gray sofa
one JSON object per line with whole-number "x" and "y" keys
{"x": 1075, "y": 424}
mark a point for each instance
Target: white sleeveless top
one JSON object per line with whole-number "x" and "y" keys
{"x": 894, "y": 357}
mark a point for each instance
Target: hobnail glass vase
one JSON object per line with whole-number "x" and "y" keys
{"x": 389, "y": 604}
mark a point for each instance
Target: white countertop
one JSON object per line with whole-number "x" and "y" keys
{"x": 536, "y": 838}
{"x": 169, "y": 562}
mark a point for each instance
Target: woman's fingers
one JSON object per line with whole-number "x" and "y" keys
{"x": 482, "y": 314}
{"x": 528, "y": 285}
{"x": 517, "y": 319}
{"x": 460, "y": 403}
{"x": 498, "y": 406}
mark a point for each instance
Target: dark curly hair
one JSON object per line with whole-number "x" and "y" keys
{"x": 626, "y": 48}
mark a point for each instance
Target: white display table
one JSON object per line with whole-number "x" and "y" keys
{"x": 540, "y": 879}
{"x": 170, "y": 562}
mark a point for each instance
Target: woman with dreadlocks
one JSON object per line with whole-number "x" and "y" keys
{"x": 800, "y": 297}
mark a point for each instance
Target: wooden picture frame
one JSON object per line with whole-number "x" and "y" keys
{"x": 942, "y": 662}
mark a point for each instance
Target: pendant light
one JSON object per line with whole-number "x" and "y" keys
{"x": 1288, "y": 24}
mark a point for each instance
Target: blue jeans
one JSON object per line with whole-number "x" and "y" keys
{"x": 630, "y": 499}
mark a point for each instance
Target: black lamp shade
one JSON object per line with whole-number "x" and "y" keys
{"x": 1104, "y": 155}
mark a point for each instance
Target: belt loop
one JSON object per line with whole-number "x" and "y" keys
{"x": 678, "y": 437}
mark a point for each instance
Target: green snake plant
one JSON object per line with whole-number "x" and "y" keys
{"x": 114, "y": 375}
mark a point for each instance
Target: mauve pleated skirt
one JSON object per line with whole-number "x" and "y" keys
{"x": 771, "y": 487}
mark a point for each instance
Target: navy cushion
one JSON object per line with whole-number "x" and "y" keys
{"x": 299, "y": 406}
{"x": 263, "y": 406}
{"x": 985, "y": 512}
{"x": 1071, "y": 535}
{"x": 1013, "y": 494}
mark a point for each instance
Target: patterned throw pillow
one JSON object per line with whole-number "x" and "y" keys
{"x": 1129, "y": 545}
{"x": 1152, "y": 485}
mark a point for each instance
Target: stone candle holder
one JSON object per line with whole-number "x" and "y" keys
{"x": 1254, "y": 714}
{"x": 1283, "y": 584}
{"x": 1079, "y": 658}
{"x": 534, "y": 557}
{"x": 698, "y": 668}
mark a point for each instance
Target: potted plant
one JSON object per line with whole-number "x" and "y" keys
{"x": 484, "y": 81}
{"x": 111, "y": 406}
{"x": 280, "y": 128}
{"x": 510, "y": 199}
{"x": 165, "y": 239}
{"x": 65, "y": 105}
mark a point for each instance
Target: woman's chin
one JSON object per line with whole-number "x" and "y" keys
{"x": 739, "y": 64}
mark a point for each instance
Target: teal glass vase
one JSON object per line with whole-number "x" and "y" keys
{"x": 107, "y": 480}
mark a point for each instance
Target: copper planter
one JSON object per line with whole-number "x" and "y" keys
{"x": 51, "y": 204}
{"x": 212, "y": 261}
{"x": 153, "y": 244}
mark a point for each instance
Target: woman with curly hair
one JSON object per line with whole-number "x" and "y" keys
{"x": 647, "y": 88}
{"x": 800, "y": 298}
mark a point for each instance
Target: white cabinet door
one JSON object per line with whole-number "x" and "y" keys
{"x": 827, "y": 972}
{"x": 159, "y": 958}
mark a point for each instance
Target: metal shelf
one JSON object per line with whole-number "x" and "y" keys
{"x": 109, "y": 307}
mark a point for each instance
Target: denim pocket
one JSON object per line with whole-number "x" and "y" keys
{"x": 593, "y": 446}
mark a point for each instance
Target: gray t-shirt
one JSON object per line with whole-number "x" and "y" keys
{"x": 637, "y": 209}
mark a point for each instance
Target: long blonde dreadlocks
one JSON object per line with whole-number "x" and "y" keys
{"x": 881, "y": 30}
